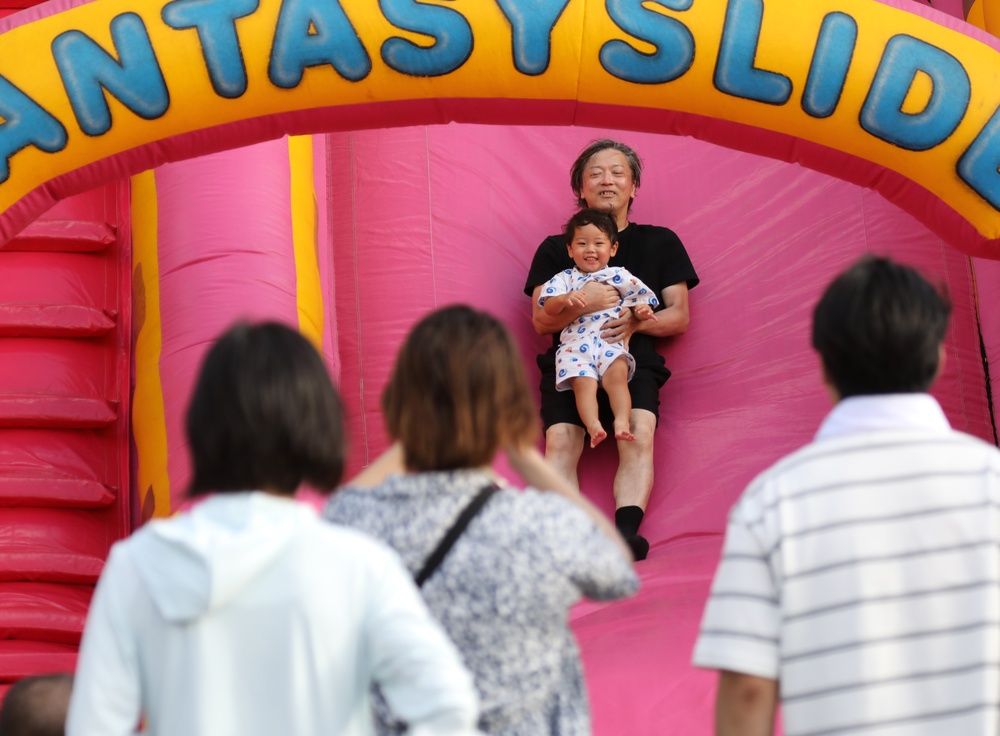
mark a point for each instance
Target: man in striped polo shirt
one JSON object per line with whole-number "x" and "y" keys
{"x": 860, "y": 577}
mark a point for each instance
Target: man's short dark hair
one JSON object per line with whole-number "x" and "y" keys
{"x": 576, "y": 170}
{"x": 264, "y": 415}
{"x": 878, "y": 328}
{"x": 36, "y": 706}
{"x": 603, "y": 220}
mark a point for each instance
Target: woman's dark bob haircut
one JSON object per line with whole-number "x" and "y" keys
{"x": 458, "y": 392}
{"x": 264, "y": 415}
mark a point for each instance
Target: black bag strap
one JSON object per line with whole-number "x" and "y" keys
{"x": 447, "y": 542}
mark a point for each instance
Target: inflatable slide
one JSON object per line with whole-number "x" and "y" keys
{"x": 429, "y": 154}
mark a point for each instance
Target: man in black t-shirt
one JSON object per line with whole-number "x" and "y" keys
{"x": 606, "y": 174}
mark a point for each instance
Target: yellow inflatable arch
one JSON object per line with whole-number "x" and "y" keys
{"x": 902, "y": 100}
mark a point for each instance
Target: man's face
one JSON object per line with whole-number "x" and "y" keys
{"x": 591, "y": 248}
{"x": 607, "y": 182}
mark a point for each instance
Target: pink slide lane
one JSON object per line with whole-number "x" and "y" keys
{"x": 423, "y": 217}
{"x": 224, "y": 245}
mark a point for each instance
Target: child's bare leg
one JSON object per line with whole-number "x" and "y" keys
{"x": 615, "y": 382}
{"x": 585, "y": 390}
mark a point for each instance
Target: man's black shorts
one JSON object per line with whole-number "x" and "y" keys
{"x": 559, "y": 407}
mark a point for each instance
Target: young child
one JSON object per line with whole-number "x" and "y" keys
{"x": 584, "y": 360}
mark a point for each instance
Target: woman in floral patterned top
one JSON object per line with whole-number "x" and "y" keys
{"x": 457, "y": 396}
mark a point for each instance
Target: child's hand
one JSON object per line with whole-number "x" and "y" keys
{"x": 642, "y": 311}
{"x": 576, "y": 299}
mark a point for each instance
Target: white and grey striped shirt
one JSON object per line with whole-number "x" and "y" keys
{"x": 863, "y": 573}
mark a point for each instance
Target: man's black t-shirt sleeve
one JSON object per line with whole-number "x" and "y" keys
{"x": 550, "y": 258}
{"x": 657, "y": 256}
{"x": 677, "y": 266}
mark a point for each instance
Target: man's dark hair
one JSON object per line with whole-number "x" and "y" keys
{"x": 603, "y": 220}
{"x": 577, "y": 169}
{"x": 878, "y": 328}
{"x": 264, "y": 415}
{"x": 36, "y": 706}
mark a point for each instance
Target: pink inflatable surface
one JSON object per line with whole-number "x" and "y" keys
{"x": 422, "y": 217}
{"x": 413, "y": 218}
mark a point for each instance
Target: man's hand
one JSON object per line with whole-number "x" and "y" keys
{"x": 621, "y": 328}
{"x": 600, "y": 296}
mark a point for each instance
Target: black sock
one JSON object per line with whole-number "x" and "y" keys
{"x": 627, "y": 519}
{"x": 639, "y": 547}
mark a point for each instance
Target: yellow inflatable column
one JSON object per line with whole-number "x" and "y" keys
{"x": 148, "y": 418}
{"x": 309, "y": 293}
{"x": 984, "y": 14}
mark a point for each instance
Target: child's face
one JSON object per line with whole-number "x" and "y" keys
{"x": 591, "y": 248}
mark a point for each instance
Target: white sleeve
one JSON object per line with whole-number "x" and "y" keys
{"x": 419, "y": 670}
{"x": 741, "y": 626}
{"x": 106, "y": 698}
{"x": 561, "y": 283}
{"x": 634, "y": 292}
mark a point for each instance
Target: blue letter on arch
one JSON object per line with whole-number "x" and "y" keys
{"x": 314, "y": 33}
{"x": 531, "y": 23}
{"x": 216, "y": 25}
{"x": 882, "y": 114}
{"x": 25, "y": 123}
{"x": 451, "y": 31}
{"x": 673, "y": 41}
{"x": 979, "y": 166}
{"x": 735, "y": 73}
{"x": 87, "y": 70}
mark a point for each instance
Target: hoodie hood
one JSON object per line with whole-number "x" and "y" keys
{"x": 200, "y": 560}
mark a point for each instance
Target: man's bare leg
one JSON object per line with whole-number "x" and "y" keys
{"x": 615, "y": 383}
{"x": 563, "y": 447}
{"x": 634, "y": 480}
{"x": 585, "y": 391}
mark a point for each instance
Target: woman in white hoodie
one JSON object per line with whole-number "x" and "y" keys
{"x": 248, "y": 614}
